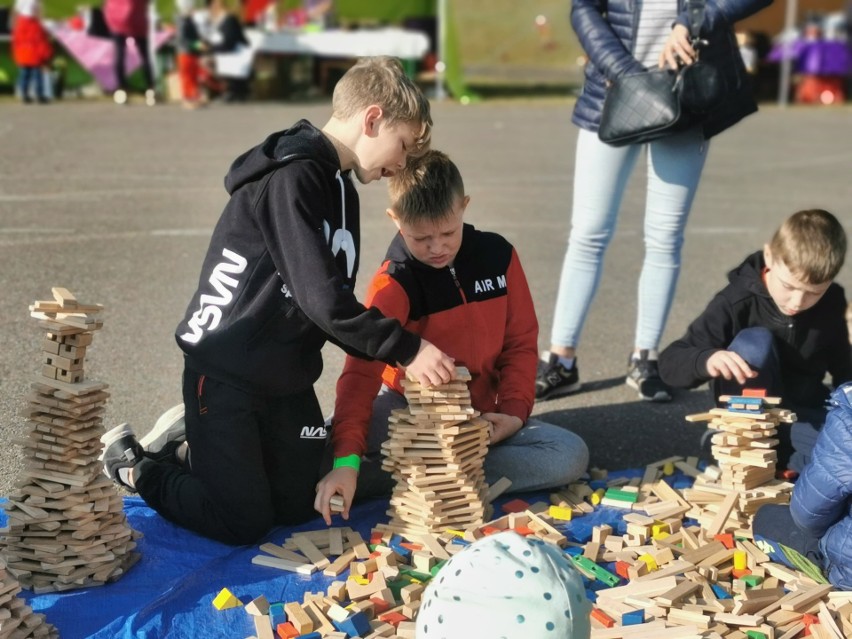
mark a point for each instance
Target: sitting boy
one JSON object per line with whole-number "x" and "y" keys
{"x": 464, "y": 291}
{"x": 778, "y": 325}
{"x": 818, "y": 524}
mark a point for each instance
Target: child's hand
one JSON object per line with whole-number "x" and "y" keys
{"x": 729, "y": 365}
{"x": 502, "y": 426}
{"x": 340, "y": 481}
{"x": 431, "y": 366}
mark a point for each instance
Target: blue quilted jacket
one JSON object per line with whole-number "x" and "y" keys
{"x": 823, "y": 494}
{"x": 606, "y": 29}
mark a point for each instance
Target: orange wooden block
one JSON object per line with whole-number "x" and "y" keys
{"x": 524, "y": 531}
{"x": 287, "y": 631}
{"x": 409, "y": 546}
{"x": 603, "y": 618}
{"x": 621, "y": 568}
{"x": 489, "y": 530}
{"x": 740, "y": 573}
{"x": 808, "y": 620}
{"x": 754, "y": 392}
{"x": 727, "y": 540}
{"x": 515, "y": 506}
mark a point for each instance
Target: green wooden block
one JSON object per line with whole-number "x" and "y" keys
{"x": 755, "y": 634}
{"x": 600, "y": 573}
{"x": 621, "y": 495}
{"x": 752, "y": 580}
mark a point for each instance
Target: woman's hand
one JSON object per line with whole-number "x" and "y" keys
{"x": 677, "y": 50}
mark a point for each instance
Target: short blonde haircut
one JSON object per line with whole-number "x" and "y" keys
{"x": 381, "y": 80}
{"x": 426, "y": 189}
{"x": 812, "y": 245}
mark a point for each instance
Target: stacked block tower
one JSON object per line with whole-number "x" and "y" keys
{"x": 17, "y": 619}
{"x": 435, "y": 452}
{"x": 744, "y": 449}
{"x": 67, "y": 527}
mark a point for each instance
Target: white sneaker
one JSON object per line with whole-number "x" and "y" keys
{"x": 150, "y": 97}
{"x": 170, "y": 427}
{"x": 120, "y": 96}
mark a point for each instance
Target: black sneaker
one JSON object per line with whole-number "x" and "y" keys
{"x": 121, "y": 450}
{"x": 554, "y": 380}
{"x": 644, "y": 376}
{"x": 170, "y": 427}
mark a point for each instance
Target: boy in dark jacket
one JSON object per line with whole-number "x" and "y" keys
{"x": 465, "y": 291}
{"x": 778, "y": 325}
{"x": 276, "y": 284}
{"x": 817, "y": 523}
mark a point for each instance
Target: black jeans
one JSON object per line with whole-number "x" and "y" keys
{"x": 254, "y": 462}
{"x": 120, "y": 51}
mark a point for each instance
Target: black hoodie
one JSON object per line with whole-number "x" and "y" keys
{"x": 277, "y": 281}
{"x": 809, "y": 344}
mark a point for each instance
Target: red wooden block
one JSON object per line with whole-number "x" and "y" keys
{"x": 809, "y": 619}
{"x": 409, "y": 546}
{"x": 393, "y": 618}
{"x": 380, "y": 605}
{"x": 621, "y": 568}
{"x": 515, "y": 506}
{"x": 376, "y": 539}
{"x": 287, "y": 631}
{"x": 490, "y": 530}
{"x": 524, "y": 531}
{"x": 600, "y": 616}
{"x": 727, "y": 539}
{"x": 754, "y": 392}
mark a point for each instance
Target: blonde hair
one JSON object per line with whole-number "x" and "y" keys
{"x": 812, "y": 244}
{"x": 381, "y": 80}
{"x": 426, "y": 189}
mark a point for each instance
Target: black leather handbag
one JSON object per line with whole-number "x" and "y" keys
{"x": 642, "y": 107}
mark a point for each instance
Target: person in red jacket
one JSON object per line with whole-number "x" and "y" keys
{"x": 31, "y": 48}
{"x": 129, "y": 19}
{"x": 465, "y": 291}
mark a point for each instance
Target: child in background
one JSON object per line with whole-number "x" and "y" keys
{"x": 31, "y": 48}
{"x": 818, "y": 523}
{"x": 465, "y": 291}
{"x": 779, "y": 325}
{"x": 190, "y": 46}
{"x": 509, "y": 586}
{"x": 276, "y": 284}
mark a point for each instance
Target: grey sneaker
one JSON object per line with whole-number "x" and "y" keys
{"x": 644, "y": 376}
{"x": 121, "y": 450}
{"x": 167, "y": 434}
{"x": 554, "y": 380}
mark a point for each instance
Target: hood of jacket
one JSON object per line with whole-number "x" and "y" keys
{"x": 302, "y": 140}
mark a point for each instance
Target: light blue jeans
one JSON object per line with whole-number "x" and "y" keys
{"x": 600, "y": 177}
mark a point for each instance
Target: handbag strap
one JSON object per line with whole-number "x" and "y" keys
{"x": 695, "y": 11}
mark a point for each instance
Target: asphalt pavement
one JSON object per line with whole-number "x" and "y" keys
{"x": 118, "y": 204}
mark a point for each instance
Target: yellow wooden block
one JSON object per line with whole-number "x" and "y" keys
{"x": 668, "y": 469}
{"x": 560, "y": 512}
{"x": 659, "y": 527}
{"x": 740, "y": 560}
{"x": 359, "y": 579}
{"x": 649, "y": 561}
{"x": 596, "y": 496}
{"x": 226, "y": 599}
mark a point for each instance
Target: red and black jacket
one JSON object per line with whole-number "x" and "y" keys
{"x": 478, "y": 311}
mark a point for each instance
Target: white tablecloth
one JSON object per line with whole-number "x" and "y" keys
{"x": 334, "y": 43}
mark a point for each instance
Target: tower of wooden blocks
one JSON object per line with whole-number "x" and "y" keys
{"x": 67, "y": 527}
{"x": 17, "y": 619}
{"x": 435, "y": 452}
{"x": 744, "y": 450}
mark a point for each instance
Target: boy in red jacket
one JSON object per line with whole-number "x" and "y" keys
{"x": 463, "y": 290}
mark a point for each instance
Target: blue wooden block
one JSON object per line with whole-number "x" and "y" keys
{"x": 633, "y": 618}
{"x": 310, "y": 635}
{"x": 277, "y": 614}
{"x": 355, "y": 625}
{"x": 720, "y": 592}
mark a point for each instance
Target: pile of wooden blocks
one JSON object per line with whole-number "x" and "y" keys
{"x": 17, "y": 619}
{"x": 435, "y": 452}
{"x": 744, "y": 478}
{"x": 67, "y": 527}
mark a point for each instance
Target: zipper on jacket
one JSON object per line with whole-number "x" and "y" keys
{"x": 457, "y": 283}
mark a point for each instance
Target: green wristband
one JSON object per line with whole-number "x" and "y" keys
{"x": 349, "y": 461}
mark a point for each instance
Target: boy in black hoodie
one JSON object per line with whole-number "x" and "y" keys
{"x": 778, "y": 325}
{"x": 276, "y": 284}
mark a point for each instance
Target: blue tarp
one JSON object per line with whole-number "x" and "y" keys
{"x": 169, "y": 592}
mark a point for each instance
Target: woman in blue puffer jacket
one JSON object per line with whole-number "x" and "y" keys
{"x": 622, "y": 37}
